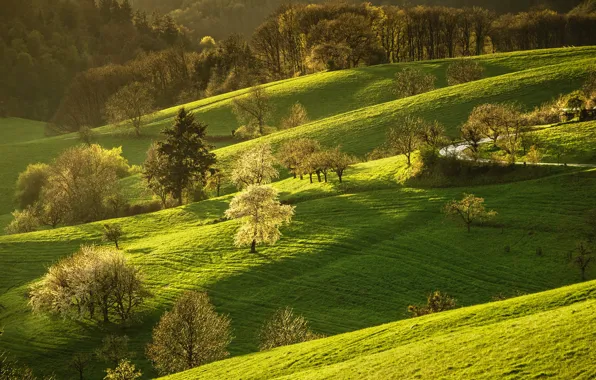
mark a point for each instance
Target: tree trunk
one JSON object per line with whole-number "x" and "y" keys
{"x": 253, "y": 247}
{"x": 339, "y": 174}
{"x": 468, "y": 225}
{"x": 116, "y": 242}
{"x": 310, "y": 175}
{"x": 319, "y": 175}
{"x": 325, "y": 174}
{"x": 106, "y": 317}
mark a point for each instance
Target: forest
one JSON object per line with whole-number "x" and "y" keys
{"x": 61, "y": 61}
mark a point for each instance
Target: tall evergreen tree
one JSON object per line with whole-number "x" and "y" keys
{"x": 186, "y": 153}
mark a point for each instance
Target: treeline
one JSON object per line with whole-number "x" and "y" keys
{"x": 45, "y": 43}
{"x": 220, "y": 18}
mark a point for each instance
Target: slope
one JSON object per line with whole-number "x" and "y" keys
{"x": 352, "y": 107}
{"x": 351, "y": 259}
{"x": 545, "y": 335}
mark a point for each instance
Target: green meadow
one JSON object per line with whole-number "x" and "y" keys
{"x": 357, "y": 253}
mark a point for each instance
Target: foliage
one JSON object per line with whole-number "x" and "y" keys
{"x": 190, "y": 335}
{"x": 255, "y": 167}
{"x": 186, "y": 155}
{"x": 94, "y": 282}
{"x": 30, "y": 184}
{"x": 79, "y": 362}
{"x": 112, "y": 233}
{"x": 12, "y": 370}
{"x": 253, "y": 110}
{"x": 339, "y": 161}
{"x": 534, "y": 156}
{"x": 296, "y": 118}
{"x": 23, "y": 221}
{"x": 464, "y": 71}
{"x": 125, "y": 371}
{"x": 261, "y": 214}
{"x": 113, "y": 349}
{"x": 405, "y": 138}
{"x": 470, "y": 209}
{"x": 131, "y": 103}
{"x": 285, "y": 328}
{"x": 436, "y": 302}
{"x": 413, "y": 81}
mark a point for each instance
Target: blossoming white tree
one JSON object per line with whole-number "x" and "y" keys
{"x": 261, "y": 213}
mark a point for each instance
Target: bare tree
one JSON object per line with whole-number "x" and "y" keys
{"x": 190, "y": 335}
{"x": 297, "y": 117}
{"x": 339, "y": 161}
{"x": 261, "y": 214}
{"x": 405, "y": 138}
{"x": 114, "y": 349}
{"x": 471, "y": 133}
{"x": 253, "y": 110}
{"x": 79, "y": 362}
{"x": 131, "y": 103}
{"x": 470, "y": 209}
{"x": 582, "y": 257}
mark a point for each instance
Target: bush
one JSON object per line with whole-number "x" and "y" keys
{"x": 142, "y": 208}
{"x": 125, "y": 371}
{"x": 435, "y": 303}
{"x": 94, "y": 283}
{"x": 285, "y": 328}
{"x": 30, "y": 184}
{"x": 112, "y": 233}
{"x": 23, "y": 221}
{"x": 412, "y": 81}
{"x": 463, "y": 71}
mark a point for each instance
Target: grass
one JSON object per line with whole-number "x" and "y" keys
{"x": 351, "y": 259}
{"x": 545, "y": 335}
{"x": 574, "y": 142}
{"x": 356, "y": 254}
{"x": 351, "y": 107}
{"x": 14, "y": 130}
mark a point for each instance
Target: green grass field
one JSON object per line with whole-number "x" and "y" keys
{"x": 357, "y": 253}
{"x": 351, "y": 107}
{"x": 350, "y": 260}
{"x": 545, "y": 335}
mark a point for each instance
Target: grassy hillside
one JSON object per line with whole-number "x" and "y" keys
{"x": 545, "y": 335}
{"x": 14, "y": 130}
{"x": 352, "y": 258}
{"x": 331, "y": 98}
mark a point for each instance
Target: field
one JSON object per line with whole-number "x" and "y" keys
{"x": 357, "y": 253}
{"x": 529, "y": 337}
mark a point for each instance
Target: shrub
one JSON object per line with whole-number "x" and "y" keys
{"x": 285, "y": 328}
{"x": 142, "y": 208}
{"x": 113, "y": 349}
{"x": 95, "y": 282}
{"x": 435, "y": 303}
{"x": 464, "y": 70}
{"x": 30, "y": 184}
{"x": 112, "y": 233}
{"x": 23, "y": 221}
{"x": 412, "y": 81}
{"x": 125, "y": 371}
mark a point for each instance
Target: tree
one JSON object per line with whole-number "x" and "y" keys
{"x": 297, "y": 117}
{"x": 495, "y": 120}
{"x": 81, "y": 182}
{"x": 471, "y": 133}
{"x": 405, "y": 138}
{"x": 582, "y": 257}
{"x": 261, "y": 214}
{"x": 412, "y": 81}
{"x": 463, "y": 71}
{"x": 186, "y": 154}
{"x": 215, "y": 179}
{"x": 156, "y": 172}
{"x": 23, "y": 221}
{"x": 30, "y": 184}
{"x": 132, "y": 102}
{"x": 190, "y": 335}
{"x": 94, "y": 282}
{"x": 113, "y": 233}
{"x": 285, "y": 328}
{"x": 79, "y": 362}
{"x": 435, "y": 303}
{"x": 113, "y": 349}
{"x": 12, "y": 370}
{"x": 470, "y": 209}
{"x": 534, "y": 155}
{"x": 255, "y": 167}
{"x": 253, "y": 110}
{"x": 124, "y": 371}
{"x": 339, "y": 161}
{"x": 433, "y": 135}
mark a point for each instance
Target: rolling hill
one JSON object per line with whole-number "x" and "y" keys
{"x": 357, "y": 253}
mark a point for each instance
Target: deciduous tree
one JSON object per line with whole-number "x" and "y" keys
{"x": 190, "y": 335}
{"x": 413, "y": 81}
{"x": 464, "y": 70}
{"x": 297, "y": 117}
{"x": 406, "y": 137}
{"x": 468, "y": 210}
{"x": 261, "y": 215}
{"x": 254, "y": 109}
{"x": 132, "y": 103}
{"x": 255, "y": 167}
{"x": 124, "y": 371}
{"x": 435, "y": 303}
{"x": 285, "y": 328}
